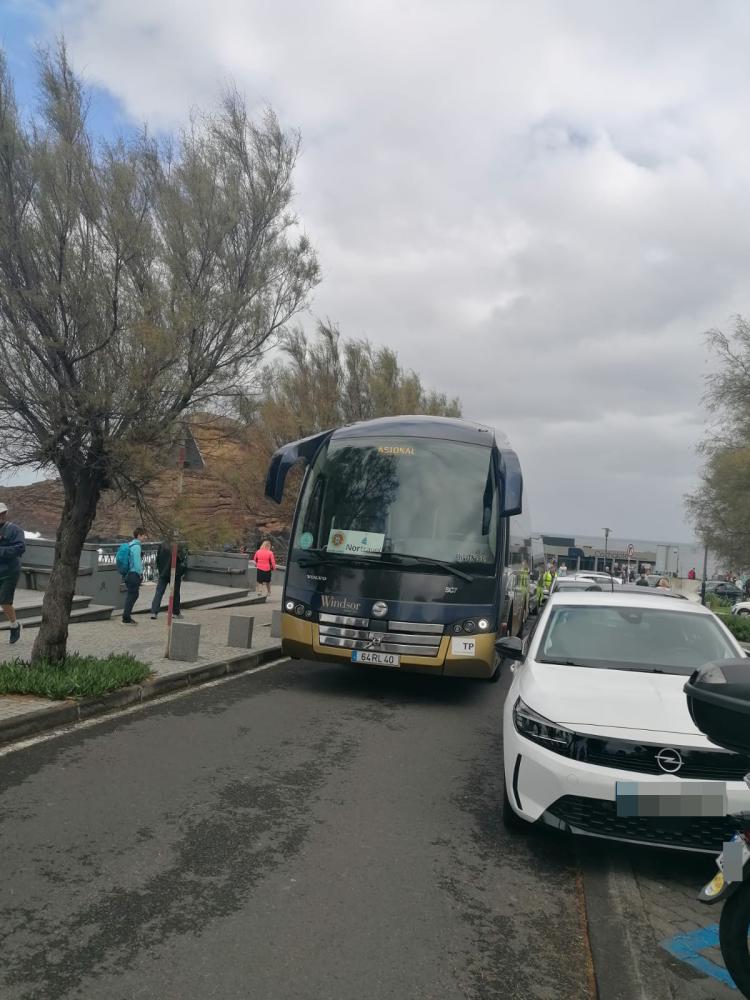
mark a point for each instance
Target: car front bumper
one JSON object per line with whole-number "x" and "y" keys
{"x": 581, "y": 798}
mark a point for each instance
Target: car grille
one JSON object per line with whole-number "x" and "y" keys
{"x": 718, "y": 765}
{"x": 599, "y": 818}
{"x": 412, "y": 638}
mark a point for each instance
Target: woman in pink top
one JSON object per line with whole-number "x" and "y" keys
{"x": 266, "y": 564}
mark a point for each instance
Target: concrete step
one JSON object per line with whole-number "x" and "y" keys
{"x": 87, "y": 613}
{"x": 28, "y": 604}
{"x": 196, "y": 596}
{"x": 242, "y": 602}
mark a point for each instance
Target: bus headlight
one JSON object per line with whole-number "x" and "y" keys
{"x": 483, "y": 624}
{"x": 289, "y": 606}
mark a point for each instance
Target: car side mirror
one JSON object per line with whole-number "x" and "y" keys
{"x": 510, "y": 647}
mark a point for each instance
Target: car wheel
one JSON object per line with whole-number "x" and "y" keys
{"x": 511, "y": 819}
{"x": 743, "y": 611}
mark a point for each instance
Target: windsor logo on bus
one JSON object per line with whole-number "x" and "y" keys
{"x": 360, "y": 543}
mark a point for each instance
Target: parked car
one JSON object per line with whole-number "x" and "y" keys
{"x": 590, "y": 574}
{"x": 742, "y": 608}
{"x": 575, "y": 583}
{"x": 596, "y": 704}
{"x": 725, "y": 590}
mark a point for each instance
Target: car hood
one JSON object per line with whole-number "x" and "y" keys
{"x": 592, "y": 700}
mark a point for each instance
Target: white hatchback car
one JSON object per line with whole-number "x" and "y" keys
{"x": 597, "y": 735}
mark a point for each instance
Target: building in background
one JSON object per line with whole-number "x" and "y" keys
{"x": 589, "y": 552}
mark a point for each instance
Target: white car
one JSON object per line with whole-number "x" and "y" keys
{"x": 742, "y": 608}
{"x": 585, "y": 574}
{"x": 597, "y": 704}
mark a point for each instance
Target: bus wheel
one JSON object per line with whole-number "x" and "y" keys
{"x": 495, "y": 676}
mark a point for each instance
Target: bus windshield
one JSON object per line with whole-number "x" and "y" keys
{"x": 370, "y": 498}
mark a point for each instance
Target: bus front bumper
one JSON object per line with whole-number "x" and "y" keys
{"x": 300, "y": 639}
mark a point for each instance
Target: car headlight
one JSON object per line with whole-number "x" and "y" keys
{"x": 539, "y": 730}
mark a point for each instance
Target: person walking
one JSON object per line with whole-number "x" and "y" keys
{"x": 134, "y": 576}
{"x": 265, "y": 563}
{"x": 164, "y": 570}
{"x": 12, "y": 547}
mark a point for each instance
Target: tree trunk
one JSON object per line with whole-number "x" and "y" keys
{"x": 81, "y": 499}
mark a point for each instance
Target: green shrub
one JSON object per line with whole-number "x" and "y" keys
{"x": 739, "y": 626}
{"x": 74, "y": 677}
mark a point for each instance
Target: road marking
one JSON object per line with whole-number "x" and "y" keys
{"x": 53, "y": 734}
{"x": 687, "y": 948}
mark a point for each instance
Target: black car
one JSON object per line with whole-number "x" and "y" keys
{"x": 725, "y": 590}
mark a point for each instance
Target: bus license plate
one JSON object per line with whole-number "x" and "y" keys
{"x": 377, "y": 659}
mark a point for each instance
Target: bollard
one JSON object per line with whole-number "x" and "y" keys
{"x": 184, "y": 642}
{"x": 275, "y": 624}
{"x": 240, "y": 631}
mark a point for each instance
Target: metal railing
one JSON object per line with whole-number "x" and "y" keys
{"x": 107, "y": 551}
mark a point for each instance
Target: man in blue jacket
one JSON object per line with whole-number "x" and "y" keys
{"x": 12, "y": 547}
{"x": 134, "y": 575}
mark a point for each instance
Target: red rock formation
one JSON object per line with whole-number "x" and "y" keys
{"x": 222, "y": 503}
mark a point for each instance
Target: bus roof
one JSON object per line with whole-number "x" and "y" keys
{"x": 444, "y": 428}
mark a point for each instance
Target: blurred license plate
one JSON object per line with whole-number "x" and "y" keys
{"x": 377, "y": 659}
{"x": 658, "y": 799}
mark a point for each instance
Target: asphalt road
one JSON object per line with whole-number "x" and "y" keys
{"x": 309, "y": 832}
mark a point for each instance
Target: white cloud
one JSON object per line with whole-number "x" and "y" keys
{"x": 539, "y": 204}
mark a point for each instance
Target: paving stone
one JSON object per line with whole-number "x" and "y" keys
{"x": 146, "y": 641}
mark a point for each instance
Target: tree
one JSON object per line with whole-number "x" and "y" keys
{"x": 720, "y": 507}
{"x": 138, "y": 281}
{"x": 329, "y": 381}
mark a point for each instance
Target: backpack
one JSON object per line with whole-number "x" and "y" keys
{"x": 122, "y": 559}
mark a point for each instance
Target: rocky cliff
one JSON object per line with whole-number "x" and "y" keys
{"x": 223, "y": 503}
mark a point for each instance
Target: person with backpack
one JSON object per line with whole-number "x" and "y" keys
{"x": 164, "y": 569}
{"x": 129, "y": 562}
{"x": 12, "y": 547}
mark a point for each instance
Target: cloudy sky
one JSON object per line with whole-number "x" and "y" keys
{"x": 540, "y": 204}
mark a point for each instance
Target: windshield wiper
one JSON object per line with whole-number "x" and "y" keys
{"x": 406, "y": 558}
{"x": 314, "y": 557}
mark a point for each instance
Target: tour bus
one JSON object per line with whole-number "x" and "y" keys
{"x": 408, "y": 548}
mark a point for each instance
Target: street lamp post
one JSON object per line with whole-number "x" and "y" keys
{"x": 606, "y": 545}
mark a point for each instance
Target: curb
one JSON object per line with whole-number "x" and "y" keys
{"x": 627, "y": 965}
{"x": 47, "y": 717}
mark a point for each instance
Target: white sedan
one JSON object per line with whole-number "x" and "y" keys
{"x": 598, "y": 738}
{"x": 742, "y": 608}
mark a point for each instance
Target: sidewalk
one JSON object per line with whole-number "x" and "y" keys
{"x": 21, "y": 715}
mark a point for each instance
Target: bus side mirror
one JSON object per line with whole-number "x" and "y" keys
{"x": 511, "y": 484}
{"x": 510, "y": 647}
{"x": 284, "y": 458}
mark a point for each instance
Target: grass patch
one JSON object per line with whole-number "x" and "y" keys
{"x": 74, "y": 677}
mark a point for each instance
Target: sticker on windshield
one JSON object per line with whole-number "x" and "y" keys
{"x": 305, "y": 540}
{"x": 362, "y": 543}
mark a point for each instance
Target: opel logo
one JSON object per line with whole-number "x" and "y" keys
{"x": 669, "y": 760}
{"x": 380, "y": 609}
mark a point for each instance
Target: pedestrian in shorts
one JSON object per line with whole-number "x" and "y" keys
{"x": 266, "y": 563}
{"x": 12, "y": 547}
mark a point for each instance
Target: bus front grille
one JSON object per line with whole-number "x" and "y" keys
{"x": 419, "y": 642}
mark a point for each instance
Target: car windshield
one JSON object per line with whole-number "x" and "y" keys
{"x": 372, "y": 499}
{"x": 632, "y": 638}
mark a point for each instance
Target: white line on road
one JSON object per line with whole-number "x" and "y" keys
{"x": 97, "y": 720}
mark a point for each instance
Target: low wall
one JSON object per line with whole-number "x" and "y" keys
{"x": 99, "y": 578}
{"x": 221, "y": 569}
